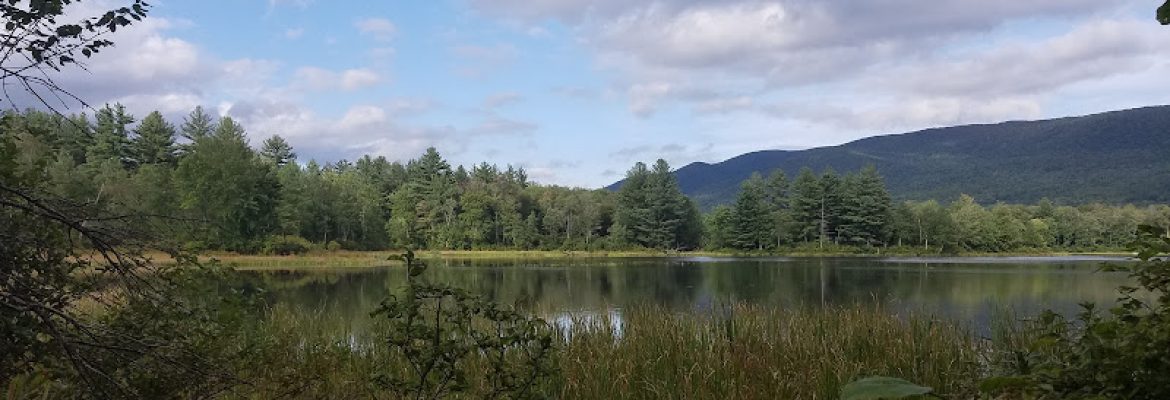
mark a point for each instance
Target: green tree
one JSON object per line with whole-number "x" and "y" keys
{"x": 831, "y": 206}
{"x": 633, "y": 212}
{"x": 779, "y": 206}
{"x": 197, "y": 125}
{"x": 720, "y": 225}
{"x": 865, "y": 213}
{"x": 224, "y": 183}
{"x": 752, "y": 217}
{"x": 155, "y": 140}
{"x": 806, "y": 205}
{"x": 668, "y": 208}
{"x": 277, "y": 151}
{"x": 111, "y": 136}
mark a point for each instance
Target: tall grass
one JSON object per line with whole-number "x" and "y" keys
{"x": 752, "y": 352}
{"x": 739, "y": 352}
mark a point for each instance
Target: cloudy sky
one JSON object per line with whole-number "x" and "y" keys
{"x": 576, "y": 91}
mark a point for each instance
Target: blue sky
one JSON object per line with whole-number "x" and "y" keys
{"x": 577, "y": 91}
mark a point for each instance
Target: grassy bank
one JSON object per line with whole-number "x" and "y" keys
{"x": 742, "y": 352}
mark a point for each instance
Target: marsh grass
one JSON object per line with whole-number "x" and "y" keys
{"x": 751, "y": 352}
{"x": 735, "y": 352}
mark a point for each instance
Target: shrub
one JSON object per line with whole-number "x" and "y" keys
{"x": 1125, "y": 354}
{"x": 453, "y": 342}
{"x": 286, "y": 245}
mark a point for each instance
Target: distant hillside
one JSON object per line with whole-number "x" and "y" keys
{"x": 1113, "y": 157}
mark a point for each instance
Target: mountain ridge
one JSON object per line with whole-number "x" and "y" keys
{"x": 1120, "y": 156}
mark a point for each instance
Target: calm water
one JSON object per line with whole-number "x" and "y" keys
{"x": 970, "y": 290}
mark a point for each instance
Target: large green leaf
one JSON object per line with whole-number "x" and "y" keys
{"x": 881, "y": 387}
{"x": 1164, "y": 13}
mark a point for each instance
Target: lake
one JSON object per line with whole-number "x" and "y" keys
{"x": 969, "y": 290}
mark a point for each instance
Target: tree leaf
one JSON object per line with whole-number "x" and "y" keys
{"x": 1164, "y": 13}
{"x": 881, "y": 387}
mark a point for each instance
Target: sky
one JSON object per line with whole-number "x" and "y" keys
{"x": 577, "y": 91}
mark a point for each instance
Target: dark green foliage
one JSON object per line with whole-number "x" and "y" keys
{"x": 225, "y": 195}
{"x": 1124, "y": 354}
{"x": 82, "y": 313}
{"x": 196, "y": 126}
{"x": 277, "y": 151}
{"x": 651, "y": 211}
{"x": 284, "y": 245}
{"x": 1163, "y": 13}
{"x": 1106, "y": 157}
{"x": 111, "y": 136}
{"x": 752, "y": 222}
{"x": 806, "y": 206}
{"x": 224, "y": 184}
{"x": 865, "y": 215}
{"x": 155, "y": 140}
{"x": 439, "y": 330}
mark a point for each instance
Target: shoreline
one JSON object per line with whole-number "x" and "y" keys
{"x": 373, "y": 259}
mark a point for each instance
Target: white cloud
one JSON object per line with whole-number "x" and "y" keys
{"x": 379, "y": 28}
{"x": 320, "y": 79}
{"x": 353, "y": 79}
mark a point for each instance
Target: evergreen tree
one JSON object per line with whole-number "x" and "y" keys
{"x": 111, "y": 136}
{"x": 228, "y": 129}
{"x": 76, "y": 136}
{"x": 831, "y": 206}
{"x": 223, "y": 182}
{"x": 805, "y": 205}
{"x": 277, "y": 151}
{"x": 779, "y": 206}
{"x": 866, "y": 209}
{"x": 155, "y": 140}
{"x": 752, "y": 219}
{"x": 197, "y": 125}
{"x": 667, "y": 207}
{"x": 633, "y": 210}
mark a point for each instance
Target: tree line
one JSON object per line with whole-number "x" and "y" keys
{"x": 212, "y": 190}
{"x": 828, "y": 210}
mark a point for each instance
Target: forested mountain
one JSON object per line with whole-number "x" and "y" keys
{"x": 1114, "y": 157}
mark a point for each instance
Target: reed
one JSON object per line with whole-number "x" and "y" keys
{"x": 648, "y": 352}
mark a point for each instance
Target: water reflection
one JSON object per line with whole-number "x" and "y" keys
{"x": 963, "y": 289}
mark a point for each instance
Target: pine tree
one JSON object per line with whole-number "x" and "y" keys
{"x": 831, "y": 205}
{"x": 633, "y": 210}
{"x": 111, "y": 136}
{"x": 223, "y": 182}
{"x": 76, "y": 136}
{"x": 752, "y": 219}
{"x": 277, "y": 151}
{"x": 867, "y": 208}
{"x": 778, "y": 206}
{"x": 227, "y": 128}
{"x": 805, "y": 205}
{"x": 667, "y": 207}
{"x": 197, "y": 125}
{"x": 155, "y": 141}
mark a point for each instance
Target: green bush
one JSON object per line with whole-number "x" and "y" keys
{"x": 1124, "y": 354}
{"x": 287, "y": 245}
{"x": 448, "y": 342}
{"x": 332, "y": 246}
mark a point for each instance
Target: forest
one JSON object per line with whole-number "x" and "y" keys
{"x": 215, "y": 192}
